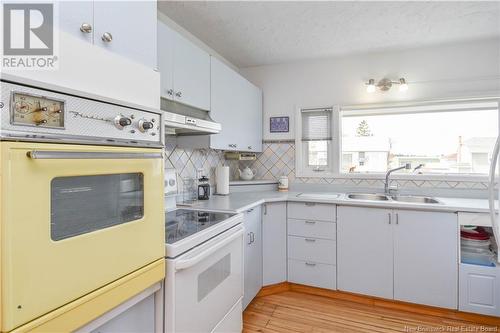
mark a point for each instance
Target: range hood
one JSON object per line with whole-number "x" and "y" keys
{"x": 181, "y": 119}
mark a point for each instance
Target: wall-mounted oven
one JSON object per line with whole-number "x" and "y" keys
{"x": 81, "y": 186}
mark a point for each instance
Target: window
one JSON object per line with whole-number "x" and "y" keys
{"x": 315, "y": 142}
{"x": 447, "y": 138}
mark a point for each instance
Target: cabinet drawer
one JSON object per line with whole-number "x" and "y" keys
{"x": 310, "y": 228}
{"x": 311, "y": 210}
{"x": 313, "y": 249}
{"x": 312, "y": 274}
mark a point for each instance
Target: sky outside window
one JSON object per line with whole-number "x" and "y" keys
{"x": 446, "y": 142}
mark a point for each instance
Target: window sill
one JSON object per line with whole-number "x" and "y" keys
{"x": 417, "y": 177}
{"x": 313, "y": 174}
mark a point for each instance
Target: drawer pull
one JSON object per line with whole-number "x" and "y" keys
{"x": 310, "y": 204}
{"x": 310, "y": 240}
{"x": 310, "y": 222}
{"x": 310, "y": 264}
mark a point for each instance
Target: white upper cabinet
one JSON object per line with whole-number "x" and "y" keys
{"x": 124, "y": 28}
{"x": 166, "y": 60}
{"x": 426, "y": 258}
{"x": 191, "y": 74}
{"x": 127, "y": 28}
{"x": 184, "y": 69}
{"x": 226, "y": 95}
{"x": 77, "y": 19}
{"x": 251, "y": 107}
{"x": 237, "y": 105}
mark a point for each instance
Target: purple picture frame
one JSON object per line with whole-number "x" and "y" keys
{"x": 279, "y": 124}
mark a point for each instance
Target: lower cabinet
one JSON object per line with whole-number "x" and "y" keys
{"x": 426, "y": 268}
{"x": 312, "y": 274}
{"x": 365, "y": 263}
{"x": 312, "y": 247}
{"x": 141, "y": 313}
{"x": 253, "y": 254}
{"x": 138, "y": 318}
{"x": 274, "y": 243}
{"x": 479, "y": 289}
{"x": 405, "y": 255}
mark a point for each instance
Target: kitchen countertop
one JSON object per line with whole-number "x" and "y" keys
{"x": 242, "y": 201}
{"x": 251, "y": 182}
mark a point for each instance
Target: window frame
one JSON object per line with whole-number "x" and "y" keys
{"x": 336, "y": 146}
{"x": 301, "y": 166}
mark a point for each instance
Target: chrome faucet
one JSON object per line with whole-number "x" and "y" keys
{"x": 387, "y": 190}
{"x": 418, "y": 167}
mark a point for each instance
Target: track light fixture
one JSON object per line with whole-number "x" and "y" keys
{"x": 385, "y": 84}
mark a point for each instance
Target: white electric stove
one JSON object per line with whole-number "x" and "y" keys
{"x": 204, "y": 277}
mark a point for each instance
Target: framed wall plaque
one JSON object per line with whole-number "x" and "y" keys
{"x": 279, "y": 124}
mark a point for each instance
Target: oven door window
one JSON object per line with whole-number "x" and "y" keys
{"x": 84, "y": 204}
{"x": 213, "y": 276}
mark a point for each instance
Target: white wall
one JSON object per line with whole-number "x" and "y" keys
{"x": 465, "y": 69}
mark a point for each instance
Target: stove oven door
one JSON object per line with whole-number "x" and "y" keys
{"x": 74, "y": 219}
{"x": 205, "y": 284}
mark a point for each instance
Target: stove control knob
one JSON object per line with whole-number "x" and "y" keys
{"x": 121, "y": 122}
{"x": 145, "y": 125}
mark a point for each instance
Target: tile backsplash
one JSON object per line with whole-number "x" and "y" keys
{"x": 188, "y": 161}
{"x": 277, "y": 159}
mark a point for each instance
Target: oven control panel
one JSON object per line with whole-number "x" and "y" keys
{"x": 32, "y": 110}
{"x": 32, "y": 114}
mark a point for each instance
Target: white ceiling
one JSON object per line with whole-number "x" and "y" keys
{"x": 252, "y": 33}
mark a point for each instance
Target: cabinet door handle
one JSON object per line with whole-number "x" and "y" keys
{"x": 249, "y": 147}
{"x": 310, "y": 264}
{"x": 107, "y": 37}
{"x": 310, "y": 240}
{"x": 86, "y": 28}
{"x": 170, "y": 92}
{"x": 265, "y": 209}
{"x": 232, "y": 145}
{"x": 310, "y": 222}
{"x": 250, "y": 210}
{"x": 252, "y": 236}
{"x": 249, "y": 238}
{"x": 390, "y": 218}
{"x": 178, "y": 94}
{"x": 397, "y": 218}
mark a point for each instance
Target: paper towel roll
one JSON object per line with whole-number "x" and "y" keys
{"x": 222, "y": 180}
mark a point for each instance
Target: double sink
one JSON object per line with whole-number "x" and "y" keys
{"x": 373, "y": 197}
{"x": 400, "y": 198}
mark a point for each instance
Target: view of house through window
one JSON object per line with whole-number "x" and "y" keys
{"x": 317, "y": 153}
{"x": 444, "y": 141}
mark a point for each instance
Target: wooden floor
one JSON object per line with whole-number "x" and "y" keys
{"x": 292, "y": 311}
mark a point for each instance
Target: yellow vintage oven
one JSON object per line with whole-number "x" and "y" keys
{"x": 81, "y": 207}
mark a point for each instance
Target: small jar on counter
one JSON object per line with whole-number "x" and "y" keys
{"x": 283, "y": 184}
